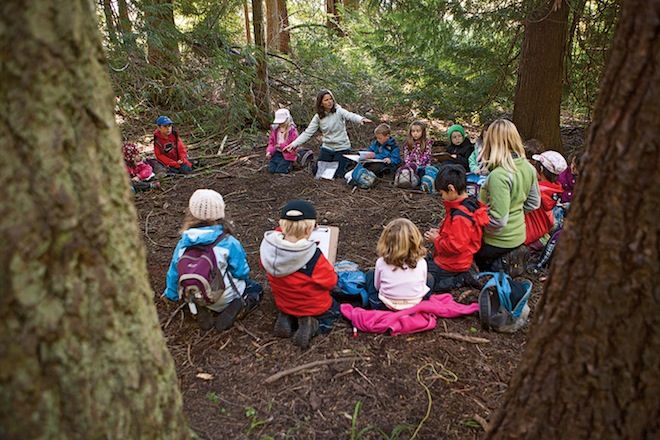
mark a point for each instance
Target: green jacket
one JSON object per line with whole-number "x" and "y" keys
{"x": 508, "y": 195}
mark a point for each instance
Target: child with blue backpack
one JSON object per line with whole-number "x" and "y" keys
{"x": 209, "y": 267}
{"x": 386, "y": 149}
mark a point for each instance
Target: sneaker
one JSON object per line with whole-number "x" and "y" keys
{"x": 517, "y": 261}
{"x": 307, "y": 328}
{"x": 204, "y": 318}
{"x": 283, "y": 325}
{"x": 227, "y": 317}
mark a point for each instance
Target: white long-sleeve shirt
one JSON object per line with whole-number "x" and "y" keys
{"x": 333, "y": 129}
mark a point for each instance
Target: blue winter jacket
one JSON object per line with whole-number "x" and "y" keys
{"x": 388, "y": 150}
{"x": 229, "y": 255}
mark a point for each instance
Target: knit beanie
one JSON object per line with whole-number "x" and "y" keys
{"x": 206, "y": 204}
{"x": 453, "y": 128}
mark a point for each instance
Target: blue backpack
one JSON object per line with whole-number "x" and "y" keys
{"x": 362, "y": 177}
{"x": 351, "y": 281}
{"x": 428, "y": 180}
{"x": 499, "y": 309}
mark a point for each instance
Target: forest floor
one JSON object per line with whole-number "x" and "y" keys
{"x": 387, "y": 387}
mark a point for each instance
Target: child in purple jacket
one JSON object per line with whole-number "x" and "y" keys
{"x": 282, "y": 133}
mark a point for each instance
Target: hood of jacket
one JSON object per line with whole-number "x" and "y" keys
{"x": 281, "y": 257}
{"x": 203, "y": 235}
{"x": 469, "y": 205}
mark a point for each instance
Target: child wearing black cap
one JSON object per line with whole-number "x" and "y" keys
{"x": 300, "y": 276}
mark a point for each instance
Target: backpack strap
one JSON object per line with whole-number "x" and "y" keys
{"x": 457, "y": 212}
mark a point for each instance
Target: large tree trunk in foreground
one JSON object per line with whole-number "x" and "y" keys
{"x": 162, "y": 35}
{"x": 81, "y": 351}
{"x": 590, "y": 369}
{"x": 261, "y": 92}
{"x": 537, "y": 102}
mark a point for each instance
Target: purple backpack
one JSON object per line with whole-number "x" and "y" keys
{"x": 200, "y": 280}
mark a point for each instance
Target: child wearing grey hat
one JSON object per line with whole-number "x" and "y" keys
{"x": 207, "y": 236}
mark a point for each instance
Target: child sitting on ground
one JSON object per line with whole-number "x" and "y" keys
{"x": 300, "y": 276}
{"x": 567, "y": 180}
{"x": 385, "y": 148}
{"x": 205, "y": 225}
{"x": 169, "y": 149}
{"x": 140, "y": 172}
{"x": 282, "y": 133}
{"x": 460, "y": 148}
{"x": 416, "y": 156}
{"x": 473, "y": 161}
{"x": 400, "y": 279}
{"x": 459, "y": 235}
{"x": 538, "y": 223}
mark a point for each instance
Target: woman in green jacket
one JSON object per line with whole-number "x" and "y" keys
{"x": 510, "y": 189}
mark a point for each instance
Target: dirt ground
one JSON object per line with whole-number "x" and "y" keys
{"x": 393, "y": 386}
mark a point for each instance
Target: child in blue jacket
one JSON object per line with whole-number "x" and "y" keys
{"x": 203, "y": 225}
{"x": 386, "y": 149}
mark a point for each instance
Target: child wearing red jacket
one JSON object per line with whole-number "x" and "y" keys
{"x": 300, "y": 276}
{"x": 459, "y": 235}
{"x": 549, "y": 165}
{"x": 169, "y": 149}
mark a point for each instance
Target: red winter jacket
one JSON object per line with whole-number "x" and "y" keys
{"x": 170, "y": 149}
{"x": 300, "y": 276}
{"x": 540, "y": 221}
{"x": 460, "y": 234}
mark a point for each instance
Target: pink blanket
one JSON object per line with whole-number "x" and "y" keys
{"x": 419, "y": 318}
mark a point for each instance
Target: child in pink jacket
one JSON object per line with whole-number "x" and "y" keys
{"x": 282, "y": 133}
{"x": 140, "y": 172}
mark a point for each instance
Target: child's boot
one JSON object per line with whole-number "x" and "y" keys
{"x": 283, "y": 325}
{"x": 307, "y": 328}
{"x": 204, "y": 318}
{"x": 227, "y": 317}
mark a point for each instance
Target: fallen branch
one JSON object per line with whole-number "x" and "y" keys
{"x": 222, "y": 146}
{"x": 277, "y": 376}
{"x": 178, "y": 309}
{"x": 463, "y": 338}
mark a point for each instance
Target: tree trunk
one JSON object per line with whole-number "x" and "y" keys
{"x": 351, "y": 5}
{"x": 162, "y": 35}
{"x": 128, "y": 38}
{"x": 81, "y": 352}
{"x": 248, "y": 31}
{"x": 537, "y": 102}
{"x": 260, "y": 88}
{"x": 272, "y": 24}
{"x": 110, "y": 23}
{"x": 285, "y": 35}
{"x": 333, "y": 17}
{"x": 590, "y": 369}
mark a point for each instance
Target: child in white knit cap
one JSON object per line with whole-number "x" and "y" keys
{"x": 205, "y": 229}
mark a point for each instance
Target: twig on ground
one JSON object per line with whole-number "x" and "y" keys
{"x": 428, "y": 396}
{"x": 174, "y": 314}
{"x": 146, "y": 231}
{"x": 277, "y": 376}
{"x": 464, "y": 338}
{"x": 480, "y": 420}
{"x": 222, "y": 146}
{"x": 246, "y": 331}
{"x": 188, "y": 355}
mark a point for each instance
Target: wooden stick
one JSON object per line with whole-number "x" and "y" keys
{"x": 309, "y": 365}
{"x": 463, "y": 338}
{"x": 178, "y": 309}
{"x": 222, "y": 146}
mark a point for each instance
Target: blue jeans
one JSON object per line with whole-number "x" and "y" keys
{"x": 183, "y": 169}
{"x": 327, "y": 320}
{"x": 279, "y": 165}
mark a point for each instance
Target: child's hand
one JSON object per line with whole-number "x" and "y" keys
{"x": 267, "y": 155}
{"x": 387, "y": 160}
{"x": 431, "y": 234}
{"x": 180, "y": 162}
{"x": 366, "y": 121}
{"x": 454, "y": 156}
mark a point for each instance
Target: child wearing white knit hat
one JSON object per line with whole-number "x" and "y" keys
{"x": 207, "y": 236}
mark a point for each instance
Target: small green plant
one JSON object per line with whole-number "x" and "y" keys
{"x": 358, "y": 435}
{"x": 213, "y": 397}
{"x": 473, "y": 330}
{"x": 253, "y": 418}
{"x": 471, "y": 423}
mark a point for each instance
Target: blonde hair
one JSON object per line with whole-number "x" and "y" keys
{"x": 383, "y": 129}
{"x": 401, "y": 244}
{"x": 501, "y": 141}
{"x": 190, "y": 221}
{"x": 297, "y": 229}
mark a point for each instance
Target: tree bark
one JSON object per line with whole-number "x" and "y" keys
{"x": 590, "y": 369}
{"x": 272, "y": 24}
{"x": 246, "y": 15}
{"x": 537, "y": 102}
{"x": 81, "y": 352}
{"x": 334, "y": 18}
{"x": 162, "y": 35}
{"x": 260, "y": 88}
{"x": 284, "y": 34}
{"x": 110, "y": 23}
{"x": 128, "y": 38}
